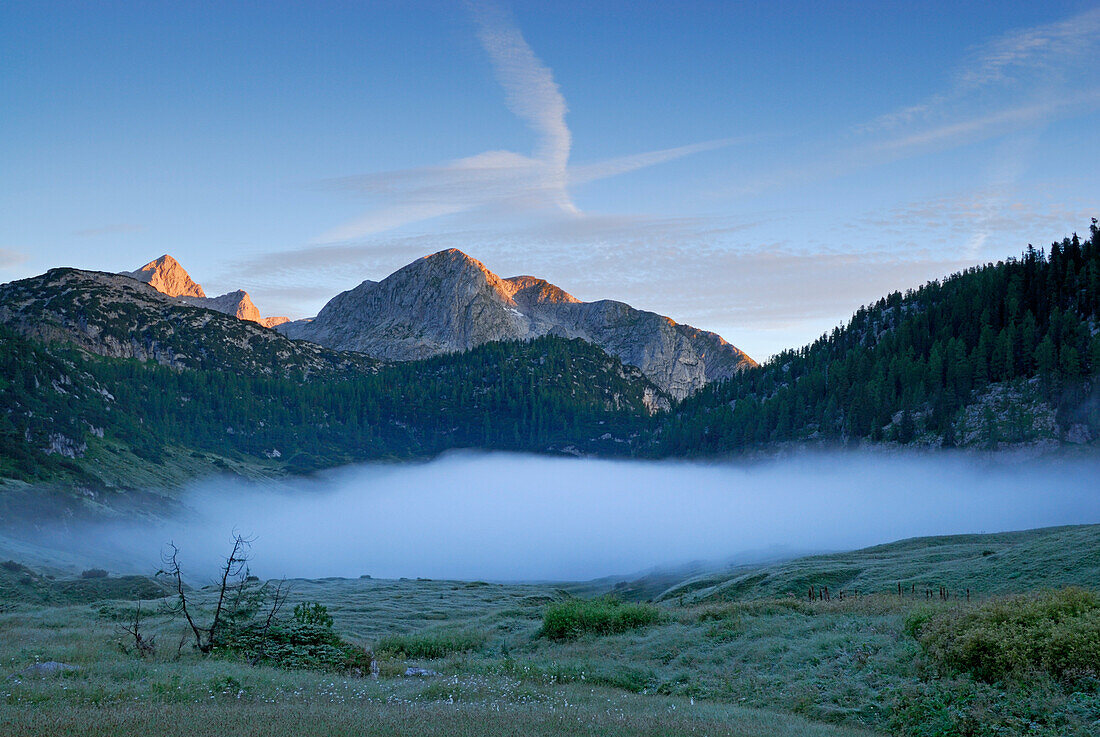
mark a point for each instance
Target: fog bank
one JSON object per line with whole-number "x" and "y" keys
{"x": 516, "y": 517}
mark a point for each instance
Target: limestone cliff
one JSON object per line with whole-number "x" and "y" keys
{"x": 450, "y": 302}
{"x": 167, "y": 276}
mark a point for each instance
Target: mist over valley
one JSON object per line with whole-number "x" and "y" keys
{"x": 513, "y": 517}
{"x": 556, "y": 370}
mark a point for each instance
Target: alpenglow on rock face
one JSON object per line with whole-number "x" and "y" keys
{"x": 450, "y": 302}
{"x": 167, "y": 277}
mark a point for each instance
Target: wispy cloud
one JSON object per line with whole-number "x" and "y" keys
{"x": 1030, "y": 62}
{"x": 1047, "y": 49}
{"x": 532, "y": 93}
{"x": 502, "y": 182}
{"x": 716, "y": 273}
{"x": 1008, "y": 214}
{"x": 982, "y": 126}
{"x": 9, "y": 259}
{"x": 1014, "y": 85}
{"x": 625, "y": 164}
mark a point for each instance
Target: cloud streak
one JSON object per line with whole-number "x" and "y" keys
{"x": 1026, "y": 62}
{"x": 501, "y": 182}
{"x": 532, "y": 94}
{"x": 1045, "y": 49}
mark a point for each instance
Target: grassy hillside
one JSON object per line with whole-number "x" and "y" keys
{"x": 107, "y": 423}
{"x": 701, "y": 665}
{"x": 992, "y": 564}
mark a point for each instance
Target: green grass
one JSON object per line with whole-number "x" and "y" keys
{"x": 18, "y": 583}
{"x": 752, "y": 665}
{"x": 566, "y": 713}
{"x": 573, "y": 618}
{"x": 431, "y": 645}
{"x": 1002, "y": 563}
{"x": 1056, "y": 633}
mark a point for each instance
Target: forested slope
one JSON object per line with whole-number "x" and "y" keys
{"x": 1001, "y": 353}
{"x": 126, "y": 387}
{"x": 68, "y": 415}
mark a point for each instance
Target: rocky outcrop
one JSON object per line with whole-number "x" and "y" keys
{"x": 167, "y": 276}
{"x": 114, "y": 315}
{"x": 450, "y": 302}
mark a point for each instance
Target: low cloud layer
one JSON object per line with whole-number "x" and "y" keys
{"x": 515, "y": 517}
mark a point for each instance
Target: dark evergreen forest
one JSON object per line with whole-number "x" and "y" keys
{"x": 906, "y": 369}
{"x": 906, "y": 365}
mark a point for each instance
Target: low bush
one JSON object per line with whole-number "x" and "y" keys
{"x": 313, "y": 613}
{"x": 1055, "y": 632}
{"x": 94, "y": 573}
{"x": 296, "y": 645}
{"x": 572, "y": 618}
{"x": 432, "y": 645}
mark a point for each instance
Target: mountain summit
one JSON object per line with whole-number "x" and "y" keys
{"x": 449, "y": 302}
{"x": 167, "y": 277}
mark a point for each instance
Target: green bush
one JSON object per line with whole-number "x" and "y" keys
{"x": 312, "y": 613}
{"x": 1056, "y": 632}
{"x": 297, "y": 646}
{"x": 432, "y": 645}
{"x": 603, "y": 616}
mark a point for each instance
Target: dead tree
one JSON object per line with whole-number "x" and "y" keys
{"x": 237, "y": 600}
{"x": 145, "y": 646}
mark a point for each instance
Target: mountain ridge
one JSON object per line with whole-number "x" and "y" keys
{"x": 117, "y": 316}
{"x": 166, "y": 275}
{"x": 448, "y": 302}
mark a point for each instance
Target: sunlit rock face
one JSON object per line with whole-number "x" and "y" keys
{"x": 450, "y": 302}
{"x": 167, "y": 276}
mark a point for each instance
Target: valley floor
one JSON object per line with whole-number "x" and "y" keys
{"x": 719, "y": 660}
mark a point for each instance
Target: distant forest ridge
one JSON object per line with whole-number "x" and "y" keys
{"x": 996, "y": 355}
{"x": 1000, "y": 353}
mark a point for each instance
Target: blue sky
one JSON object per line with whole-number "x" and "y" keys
{"x": 758, "y": 169}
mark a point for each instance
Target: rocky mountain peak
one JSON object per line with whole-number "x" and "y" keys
{"x": 530, "y": 290}
{"x": 448, "y": 302}
{"x": 167, "y": 276}
{"x": 237, "y": 303}
{"x": 454, "y": 264}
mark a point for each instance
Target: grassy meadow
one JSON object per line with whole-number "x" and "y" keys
{"x": 738, "y": 652}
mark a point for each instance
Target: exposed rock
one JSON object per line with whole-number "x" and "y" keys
{"x": 114, "y": 315}
{"x": 167, "y": 277}
{"x": 420, "y": 673}
{"x": 1078, "y": 434}
{"x": 237, "y": 303}
{"x": 65, "y": 446}
{"x": 653, "y": 401}
{"x": 450, "y": 302}
{"x": 1007, "y": 413}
